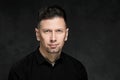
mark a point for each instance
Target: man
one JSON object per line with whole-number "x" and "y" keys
{"x": 48, "y": 62}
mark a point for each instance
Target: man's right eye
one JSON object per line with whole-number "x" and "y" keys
{"x": 46, "y": 31}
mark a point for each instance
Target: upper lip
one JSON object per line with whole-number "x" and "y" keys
{"x": 53, "y": 44}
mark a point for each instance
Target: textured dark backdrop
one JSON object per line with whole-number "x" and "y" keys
{"x": 93, "y": 39}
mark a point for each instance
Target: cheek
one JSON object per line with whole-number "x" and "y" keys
{"x": 44, "y": 38}
{"x": 61, "y": 38}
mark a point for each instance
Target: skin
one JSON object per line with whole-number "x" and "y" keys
{"x": 52, "y": 35}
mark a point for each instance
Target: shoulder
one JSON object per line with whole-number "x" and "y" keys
{"x": 72, "y": 60}
{"x": 24, "y": 62}
{"x": 77, "y": 66}
{"x": 19, "y": 69}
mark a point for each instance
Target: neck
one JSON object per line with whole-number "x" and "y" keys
{"x": 50, "y": 57}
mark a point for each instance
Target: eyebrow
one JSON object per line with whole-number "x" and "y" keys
{"x": 55, "y": 29}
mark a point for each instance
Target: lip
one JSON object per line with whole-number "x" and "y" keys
{"x": 53, "y": 45}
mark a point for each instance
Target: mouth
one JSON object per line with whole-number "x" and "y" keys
{"x": 53, "y": 46}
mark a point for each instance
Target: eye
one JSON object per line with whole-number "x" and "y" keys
{"x": 46, "y": 31}
{"x": 59, "y": 30}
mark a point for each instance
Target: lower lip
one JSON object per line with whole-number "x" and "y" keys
{"x": 53, "y": 46}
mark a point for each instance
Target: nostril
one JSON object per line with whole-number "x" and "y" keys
{"x": 52, "y": 41}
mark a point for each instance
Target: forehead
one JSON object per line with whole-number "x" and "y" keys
{"x": 56, "y": 22}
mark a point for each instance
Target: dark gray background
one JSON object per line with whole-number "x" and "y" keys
{"x": 93, "y": 39}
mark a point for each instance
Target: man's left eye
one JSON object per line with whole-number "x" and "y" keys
{"x": 59, "y": 31}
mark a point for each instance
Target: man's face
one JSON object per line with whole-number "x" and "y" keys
{"x": 52, "y": 34}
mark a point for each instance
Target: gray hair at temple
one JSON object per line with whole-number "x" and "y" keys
{"x": 51, "y": 12}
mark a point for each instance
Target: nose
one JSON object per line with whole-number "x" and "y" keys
{"x": 53, "y": 37}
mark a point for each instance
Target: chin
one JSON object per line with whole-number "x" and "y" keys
{"x": 53, "y": 51}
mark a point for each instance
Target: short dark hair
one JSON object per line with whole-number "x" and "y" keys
{"x": 51, "y": 12}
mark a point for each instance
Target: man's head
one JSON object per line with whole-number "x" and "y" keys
{"x": 52, "y": 31}
{"x": 51, "y": 12}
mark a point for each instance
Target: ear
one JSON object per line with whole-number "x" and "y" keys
{"x": 37, "y": 34}
{"x": 66, "y": 36}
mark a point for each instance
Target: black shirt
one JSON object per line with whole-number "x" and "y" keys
{"x": 35, "y": 67}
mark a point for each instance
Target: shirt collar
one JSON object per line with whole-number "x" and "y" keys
{"x": 41, "y": 59}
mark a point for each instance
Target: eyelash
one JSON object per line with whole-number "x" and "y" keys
{"x": 47, "y": 31}
{"x": 51, "y": 31}
{"x": 59, "y": 31}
